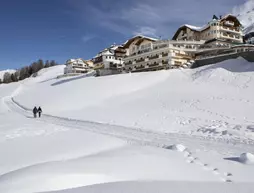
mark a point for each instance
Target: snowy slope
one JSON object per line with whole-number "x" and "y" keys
{"x": 161, "y": 187}
{"x": 163, "y": 131}
{"x": 175, "y": 101}
{"x": 245, "y": 14}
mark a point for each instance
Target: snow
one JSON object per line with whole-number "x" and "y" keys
{"x": 195, "y": 28}
{"x": 177, "y": 147}
{"x": 162, "y": 187}
{"x": 137, "y": 100}
{"x": 166, "y": 131}
{"x": 247, "y": 158}
{"x": 245, "y": 14}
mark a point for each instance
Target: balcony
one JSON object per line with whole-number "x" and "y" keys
{"x": 140, "y": 60}
{"x": 128, "y": 63}
{"x": 139, "y": 67}
{"x": 164, "y": 62}
{"x": 154, "y": 57}
{"x": 153, "y": 64}
{"x": 184, "y": 56}
{"x": 229, "y": 23}
{"x": 164, "y": 54}
{"x": 231, "y": 29}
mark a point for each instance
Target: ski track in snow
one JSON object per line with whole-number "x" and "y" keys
{"x": 143, "y": 138}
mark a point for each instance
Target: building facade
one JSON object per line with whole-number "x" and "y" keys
{"x": 226, "y": 28}
{"x": 152, "y": 55}
{"x": 110, "y": 60}
{"x": 78, "y": 66}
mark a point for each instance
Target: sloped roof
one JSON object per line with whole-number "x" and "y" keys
{"x": 140, "y": 37}
{"x": 200, "y": 29}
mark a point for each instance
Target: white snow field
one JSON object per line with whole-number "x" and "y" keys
{"x": 169, "y": 131}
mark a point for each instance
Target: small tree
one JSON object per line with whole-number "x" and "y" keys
{"x": 47, "y": 64}
{"x": 1, "y": 81}
{"x": 24, "y": 73}
{"x": 40, "y": 64}
{"x": 17, "y": 74}
{"x": 7, "y": 78}
{"x": 53, "y": 63}
{"x": 14, "y": 78}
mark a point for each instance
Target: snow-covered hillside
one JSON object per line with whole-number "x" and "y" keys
{"x": 245, "y": 14}
{"x": 144, "y": 132}
{"x": 175, "y": 101}
{"x": 2, "y": 72}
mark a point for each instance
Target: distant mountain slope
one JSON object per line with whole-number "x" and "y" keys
{"x": 245, "y": 14}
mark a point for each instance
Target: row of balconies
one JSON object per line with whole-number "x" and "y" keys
{"x": 147, "y": 66}
{"x": 162, "y": 55}
{"x": 232, "y": 29}
{"x": 231, "y": 36}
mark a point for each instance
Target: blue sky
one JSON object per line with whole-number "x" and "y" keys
{"x": 63, "y": 29}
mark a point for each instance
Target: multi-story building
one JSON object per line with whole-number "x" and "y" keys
{"x": 148, "y": 54}
{"x": 227, "y": 28}
{"x": 77, "y": 66}
{"x": 110, "y": 60}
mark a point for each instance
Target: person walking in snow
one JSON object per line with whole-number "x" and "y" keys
{"x": 39, "y": 111}
{"x": 35, "y": 111}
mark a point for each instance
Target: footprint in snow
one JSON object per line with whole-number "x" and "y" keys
{"x": 228, "y": 174}
{"x": 226, "y": 180}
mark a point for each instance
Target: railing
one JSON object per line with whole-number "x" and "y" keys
{"x": 165, "y": 62}
{"x": 153, "y": 64}
{"x": 140, "y": 60}
{"x": 231, "y": 29}
{"x": 183, "y": 55}
{"x": 154, "y": 57}
{"x": 229, "y": 23}
{"x": 128, "y": 63}
{"x": 140, "y": 67}
{"x": 165, "y": 55}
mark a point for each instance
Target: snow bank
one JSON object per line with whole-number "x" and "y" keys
{"x": 246, "y": 158}
{"x": 47, "y": 74}
{"x": 162, "y": 187}
{"x": 177, "y": 147}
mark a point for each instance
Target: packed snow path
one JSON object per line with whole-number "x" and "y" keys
{"x": 145, "y": 138}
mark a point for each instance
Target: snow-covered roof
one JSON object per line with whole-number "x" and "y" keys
{"x": 195, "y": 28}
{"x": 140, "y": 37}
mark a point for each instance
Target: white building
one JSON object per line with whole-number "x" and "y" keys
{"x": 148, "y": 54}
{"x": 77, "y": 66}
{"x": 227, "y": 28}
{"x": 109, "y": 61}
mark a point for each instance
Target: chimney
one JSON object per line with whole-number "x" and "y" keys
{"x": 220, "y": 16}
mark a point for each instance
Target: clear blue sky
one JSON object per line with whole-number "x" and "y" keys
{"x": 63, "y": 29}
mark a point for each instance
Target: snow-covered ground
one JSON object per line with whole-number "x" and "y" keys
{"x": 167, "y": 131}
{"x": 214, "y": 101}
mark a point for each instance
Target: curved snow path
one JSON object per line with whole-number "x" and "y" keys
{"x": 147, "y": 138}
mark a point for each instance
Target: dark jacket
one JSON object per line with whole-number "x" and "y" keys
{"x": 35, "y": 110}
{"x": 39, "y": 110}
